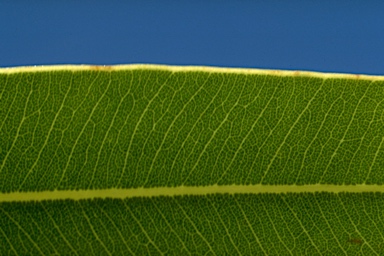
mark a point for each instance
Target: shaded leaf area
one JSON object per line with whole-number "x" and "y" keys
{"x": 139, "y": 127}
{"x": 266, "y": 224}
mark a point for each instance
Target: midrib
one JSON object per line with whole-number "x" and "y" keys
{"x": 183, "y": 190}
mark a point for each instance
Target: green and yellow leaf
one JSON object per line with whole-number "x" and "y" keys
{"x": 159, "y": 160}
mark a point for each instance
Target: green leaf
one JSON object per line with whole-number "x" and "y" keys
{"x": 151, "y": 160}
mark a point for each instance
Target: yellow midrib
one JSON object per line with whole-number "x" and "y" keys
{"x": 183, "y": 190}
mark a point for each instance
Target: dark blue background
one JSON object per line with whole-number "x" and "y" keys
{"x": 336, "y": 36}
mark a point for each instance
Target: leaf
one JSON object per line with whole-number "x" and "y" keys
{"x": 141, "y": 159}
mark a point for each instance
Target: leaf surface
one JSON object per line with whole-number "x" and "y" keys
{"x": 158, "y": 160}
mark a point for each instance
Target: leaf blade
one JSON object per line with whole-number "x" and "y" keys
{"x": 173, "y": 160}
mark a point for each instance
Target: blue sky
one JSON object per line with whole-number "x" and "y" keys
{"x": 332, "y": 36}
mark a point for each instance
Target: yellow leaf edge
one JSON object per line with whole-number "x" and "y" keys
{"x": 209, "y": 69}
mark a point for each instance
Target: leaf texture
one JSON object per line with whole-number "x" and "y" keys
{"x": 133, "y": 127}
